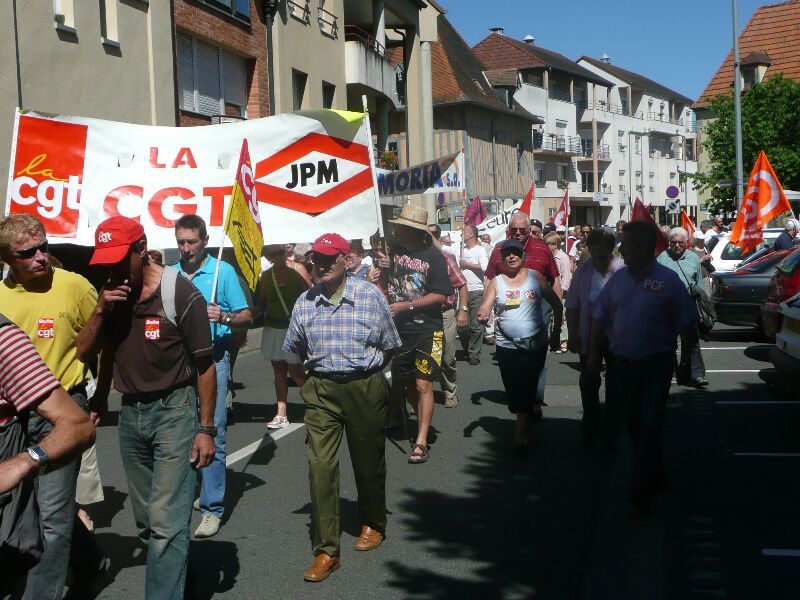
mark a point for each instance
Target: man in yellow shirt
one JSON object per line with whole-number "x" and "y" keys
{"x": 51, "y": 306}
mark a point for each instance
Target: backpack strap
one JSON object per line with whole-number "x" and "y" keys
{"x": 169, "y": 279}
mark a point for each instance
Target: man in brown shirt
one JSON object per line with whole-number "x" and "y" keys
{"x": 152, "y": 326}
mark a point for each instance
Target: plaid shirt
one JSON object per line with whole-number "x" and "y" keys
{"x": 456, "y": 278}
{"x": 347, "y": 337}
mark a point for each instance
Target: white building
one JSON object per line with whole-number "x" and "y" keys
{"x": 609, "y": 135}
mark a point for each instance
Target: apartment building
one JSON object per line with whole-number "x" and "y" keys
{"x": 108, "y": 59}
{"x": 608, "y": 135}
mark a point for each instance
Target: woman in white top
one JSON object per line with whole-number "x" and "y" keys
{"x": 520, "y": 333}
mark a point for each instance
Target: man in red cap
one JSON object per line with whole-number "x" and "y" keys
{"x": 342, "y": 328}
{"x": 152, "y": 327}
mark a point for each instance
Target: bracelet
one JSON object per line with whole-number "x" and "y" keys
{"x": 208, "y": 430}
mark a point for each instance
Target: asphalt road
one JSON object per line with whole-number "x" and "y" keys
{"x": 475, "y": 522}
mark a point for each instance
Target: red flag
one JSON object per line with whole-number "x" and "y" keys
{"x": 763, "y": 201}
{"x": 476, "y": 213}
{"x": 525, "y": 207}
{"x": 687, "y": 224}
{"x": 561, "y": 218}
{"x": 640, "y": 213}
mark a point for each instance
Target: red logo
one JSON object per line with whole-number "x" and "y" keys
{"x": 47, "y": 173}
{"x": 152, "y": 329}
{"x": 314, "y": 174}
{"x": 46, "y": 329}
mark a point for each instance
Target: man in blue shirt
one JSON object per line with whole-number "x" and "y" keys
{"x": 228, "y": 309}
{"x": 688, "y": 268}
{"x": 642, "y": 309}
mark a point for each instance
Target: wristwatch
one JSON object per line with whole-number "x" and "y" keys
{"x": 225, "y": 318}
{"x": 465, "y": 308}
{"x": 410, "y": 305}
{"x": 208, "y": 430}
{"x": 39, "y": 456}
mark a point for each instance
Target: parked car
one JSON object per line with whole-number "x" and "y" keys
{"x": 727, "y": 256}
{"x": 784, "y": 284}
{"x": 785, "y": 354}
{"x": 738, "y": 295}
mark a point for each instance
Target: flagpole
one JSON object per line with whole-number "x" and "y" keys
{"x": 372, "y": 165}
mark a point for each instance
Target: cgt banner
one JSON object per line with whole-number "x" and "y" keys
{"x": 312, "y": 175}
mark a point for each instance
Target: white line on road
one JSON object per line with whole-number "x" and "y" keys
{"x": 733, "y": 370}
{"x": 726, "y": 348}
{"x": 269, "y": 438}
{"x": 769, "y": 454}
{"x": 780, "y": 552}
{"x": 757, "y": 402}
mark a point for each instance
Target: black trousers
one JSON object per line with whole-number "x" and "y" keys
{"x": 608, "y": 420}
{"x": 519, "y": 370}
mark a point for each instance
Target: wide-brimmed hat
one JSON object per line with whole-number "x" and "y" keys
{"x": 412, "y": 216}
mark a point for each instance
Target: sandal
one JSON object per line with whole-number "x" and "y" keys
{"x": 418, "y": 459}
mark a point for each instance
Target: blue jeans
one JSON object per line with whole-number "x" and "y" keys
{"x": 55, "y": 494}
{"x": 155, "y": 440}
{"x": 212, "y": 490}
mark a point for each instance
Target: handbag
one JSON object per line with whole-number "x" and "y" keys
{"x": 528, "y": 344}
{"x": 705, "y": 307}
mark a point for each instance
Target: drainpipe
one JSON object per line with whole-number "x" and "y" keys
{"x": 270, "y": 8}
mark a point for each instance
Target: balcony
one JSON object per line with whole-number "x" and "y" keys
{"x": 366, "y": 66}
{"x": 559, "y": 95}
{"x": 555, "y": 145}
{"x": 587, "y": 153}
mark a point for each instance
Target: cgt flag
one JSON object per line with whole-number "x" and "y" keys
{"x": 243, "y": 223}
{"x": 763, "y": 201}
{"x": 476, "y": 213}
{"x": 561, "y": 218}
{"x": 686, "y": 223}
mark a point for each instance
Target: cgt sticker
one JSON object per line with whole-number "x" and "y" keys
{"x": 46, "y": 329}
{"x": 152, "y": 329}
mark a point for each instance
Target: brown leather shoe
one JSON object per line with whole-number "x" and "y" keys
{"x": 368, "y": 540}
{"x": 321, "y": 568}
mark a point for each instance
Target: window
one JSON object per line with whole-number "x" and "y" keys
{"x": 520, "y": 158}
{"x": 652, "y": 174}
{"x": 638, "y": 174}
{"x": 551, "y": 212}
{"x": 211, "y": 81}
{"x": 535, "y": 79}
{"x": 328, "y": 93}
{"x": 109, "y": 35}
{"x": 299, "y": 80}
{"x": 587, "y": 182}
{"x": 563, "y": 172}
{"x": 64, "y": 15}
{"x": 236, "y": 8}
{"x": 623, "y": 100}
{"x": 620, "y": 133}
{"x": 672, "y": 175}
{"x": 538, "y": 174}
{"x": 637, "y": 143}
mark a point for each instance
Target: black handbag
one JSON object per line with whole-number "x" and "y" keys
{"x": 705, "y": 307}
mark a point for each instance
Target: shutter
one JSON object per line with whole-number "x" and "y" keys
{"x": 208, "y": 90}
{"x": 185, "y": 73}
{"x": 234, "y": 84}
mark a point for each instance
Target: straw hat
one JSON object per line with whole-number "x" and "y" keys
{"x": 412, "y": 216}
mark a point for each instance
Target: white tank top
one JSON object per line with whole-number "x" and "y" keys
{"x": 519, "y": 311}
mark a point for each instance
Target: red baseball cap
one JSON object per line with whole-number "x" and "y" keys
{"x": 330, "y": 244}
{"x": 113, "y": 238}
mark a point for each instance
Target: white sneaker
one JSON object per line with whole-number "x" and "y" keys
{"x": 278, "y": 422}
{"x": 209, "y": 526}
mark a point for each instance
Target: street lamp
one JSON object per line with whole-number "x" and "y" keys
{"x": 737, "y": 103}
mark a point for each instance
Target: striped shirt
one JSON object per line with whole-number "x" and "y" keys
{"x": 349, "y": 335}
{"x": 24, "y": 378}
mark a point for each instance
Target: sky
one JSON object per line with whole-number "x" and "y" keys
{"x": 678, "y": 43}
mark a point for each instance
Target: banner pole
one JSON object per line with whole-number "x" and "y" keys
{"x": 372, "y": 165}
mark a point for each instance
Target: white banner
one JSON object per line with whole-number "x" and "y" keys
{"x": 312, "y": 175}
{"x": 444, "y": 174}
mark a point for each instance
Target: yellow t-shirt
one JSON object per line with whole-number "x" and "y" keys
{"x": 52, "y": 312}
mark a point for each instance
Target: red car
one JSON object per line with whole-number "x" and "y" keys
{"x": 784, "y": 284}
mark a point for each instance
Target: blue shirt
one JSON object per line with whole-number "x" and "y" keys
{"x": 688, "y": 267}
{"x": 346, "y": 336}
{"x": 230, "y": 297}
{"x": 644, "y": 315}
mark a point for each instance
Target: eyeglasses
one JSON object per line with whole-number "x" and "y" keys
{"x": 31, "y": 252}
{"x": 677, "y": 242}
{"x": 325, "y": 260}
{"x": 518, "y": 229}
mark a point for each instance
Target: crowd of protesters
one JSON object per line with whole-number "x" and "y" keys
{"x": 334, "y": 318}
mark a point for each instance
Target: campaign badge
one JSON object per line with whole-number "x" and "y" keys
{"x": 152, "y": 329}
{"x": 512, "y": 298}
{"x": 46, "y": 329}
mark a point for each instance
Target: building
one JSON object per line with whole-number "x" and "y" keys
{"x": 470, "y": 114}
{"x": 109, "y": 60}
{"x": 769, "y": 44}
{"x": 221, "y": 60}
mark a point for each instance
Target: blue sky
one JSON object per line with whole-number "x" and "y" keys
{"x": 679, "y": 43}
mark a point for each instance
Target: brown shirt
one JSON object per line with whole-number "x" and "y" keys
{"x": 150, "y": 353}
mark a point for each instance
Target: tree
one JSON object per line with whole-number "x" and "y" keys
{"x": 770, "y": 122}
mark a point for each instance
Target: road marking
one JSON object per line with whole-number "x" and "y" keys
{"x": 756, "y": 402}
{"x": 780, "y": 552}
{"x": 769, "y": 454}
{"x": 270, "y": 437}
{"x": 733, "y": 371}
{"x": 726, "y": 348}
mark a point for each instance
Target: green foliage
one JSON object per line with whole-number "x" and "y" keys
{"x": 770, "y": 122}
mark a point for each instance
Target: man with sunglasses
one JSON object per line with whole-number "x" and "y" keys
{"x": 688, "y": 267}
{"x": 51, "y": 306}
{"x": 579, "y": 251}
{"x": 157, "y": 340}
{"x": 228, "y": 309}
{"x": 343, "y": 330}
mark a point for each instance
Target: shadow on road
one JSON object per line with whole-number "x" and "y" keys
{"x": 213, "y": 567}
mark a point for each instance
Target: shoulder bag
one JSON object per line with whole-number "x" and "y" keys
{"x": 705, "y": 307}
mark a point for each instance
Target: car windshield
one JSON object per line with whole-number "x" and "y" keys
{"x": 734, "y": 252}
{"x": 711, "y": 243}
{"x": 790, "y": 264}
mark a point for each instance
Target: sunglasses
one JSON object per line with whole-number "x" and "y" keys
{"x": 31, "y": 252}
{"x": 518, "y": 229}
{"x": 324, "y": 259}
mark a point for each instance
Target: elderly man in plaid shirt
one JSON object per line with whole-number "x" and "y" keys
{"x": 343, "y": 330}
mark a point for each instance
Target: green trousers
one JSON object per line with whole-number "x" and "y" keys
{"x": 356, "y": 409}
